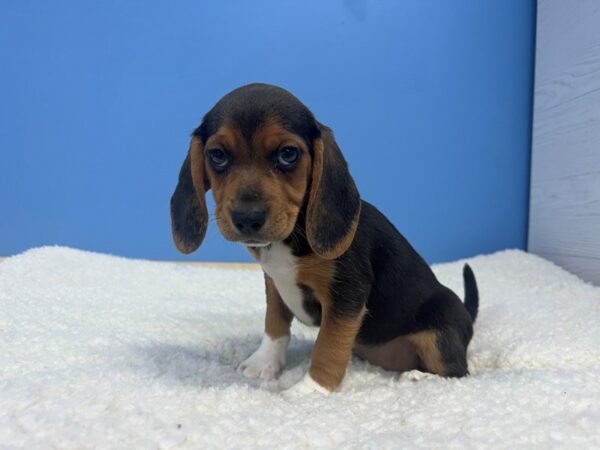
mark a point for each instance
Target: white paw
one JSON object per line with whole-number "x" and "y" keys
{"x": 417, "y": 375}
{"x": 304, "y": 387}
{"x": 267, "y": 361}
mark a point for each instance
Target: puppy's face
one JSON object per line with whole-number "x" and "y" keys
{"x": 259, "y": 180}
{"x": 267, "y": 161}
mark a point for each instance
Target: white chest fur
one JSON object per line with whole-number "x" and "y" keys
{"x": 278, "y": 262}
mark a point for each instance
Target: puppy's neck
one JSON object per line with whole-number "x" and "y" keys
{"x": 296, "y": 242}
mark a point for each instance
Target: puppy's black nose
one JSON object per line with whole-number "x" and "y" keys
{"x": 248, "y": 221}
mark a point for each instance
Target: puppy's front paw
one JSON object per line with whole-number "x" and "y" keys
{"x": 304, "y": 387}
{"x": 417, "y": 375}
{"x": 257, "y": 366}
{"x": 267, "y": 361}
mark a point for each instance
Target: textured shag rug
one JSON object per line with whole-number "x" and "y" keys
{"x": 100, "y": 351}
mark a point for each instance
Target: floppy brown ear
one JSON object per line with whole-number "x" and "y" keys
{"x": 189, "y": 216}
{"x": 334, "y": 202}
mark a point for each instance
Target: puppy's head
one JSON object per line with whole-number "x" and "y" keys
{"x": 269, "y": 164}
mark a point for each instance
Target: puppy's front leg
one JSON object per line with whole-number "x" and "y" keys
{"x": 269, "y": 359}
{"x": 331, "y": 355}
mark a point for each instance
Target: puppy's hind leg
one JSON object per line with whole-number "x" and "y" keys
{"x": 447, "y": 329}
{"x": 441, "y": 352}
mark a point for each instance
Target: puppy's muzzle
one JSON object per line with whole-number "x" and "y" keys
{"x": 249, "y": 221}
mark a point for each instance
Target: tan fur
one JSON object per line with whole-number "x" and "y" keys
{"x": 333, "y": 348}
{"x": 230, "y": 139}
{"x": 283, "y": 193}
{"x": 317, "y": 273}
{"x": 399, "y": 354}
{"x": 428, "y": 351}
{"x": 278, "y": 318}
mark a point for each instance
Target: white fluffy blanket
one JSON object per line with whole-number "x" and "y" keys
{"x": 104, "y": 352}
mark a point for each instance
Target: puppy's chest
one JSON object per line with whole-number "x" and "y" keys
{"x": 281, "y": 265}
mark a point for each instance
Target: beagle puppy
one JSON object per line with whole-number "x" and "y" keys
{"x": 330, "y": 259}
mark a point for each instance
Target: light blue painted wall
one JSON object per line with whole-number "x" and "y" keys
{"x": 430, "y": 101}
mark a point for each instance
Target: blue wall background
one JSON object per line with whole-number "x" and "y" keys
{"x": 430, "y": 101}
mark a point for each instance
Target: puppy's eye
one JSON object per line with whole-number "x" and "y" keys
{"x": 288, "y": 157}
{"x": 219, "y": 159}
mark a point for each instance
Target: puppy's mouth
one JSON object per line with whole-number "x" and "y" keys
{"x": 254, "y": 243}
{"x": 259, "y": 235}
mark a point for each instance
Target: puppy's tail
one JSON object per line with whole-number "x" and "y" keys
{"x": 471, "y": 292}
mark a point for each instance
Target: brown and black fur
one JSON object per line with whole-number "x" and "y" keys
{"x": 361, "y": 281}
